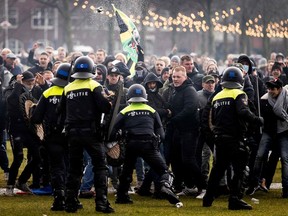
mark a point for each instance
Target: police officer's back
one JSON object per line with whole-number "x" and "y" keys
{"x": 141, "y": 125}
{"x": 83, "y": 103}
{"x": 230, "y": 116}
{"x": 55, "y": 142}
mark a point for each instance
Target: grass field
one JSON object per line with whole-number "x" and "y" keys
{"x": 30, "y": 205}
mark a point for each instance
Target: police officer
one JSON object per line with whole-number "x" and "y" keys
{"x": 230, "y": 116}
{"x": 141, "y": 125}
{"x": 55, "y": 141}
{"x": 83, "y": 103}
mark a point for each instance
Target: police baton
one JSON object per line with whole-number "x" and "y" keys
{"x": 258, "y": 97}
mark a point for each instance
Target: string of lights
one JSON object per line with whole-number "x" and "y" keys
{"x": 221, "y": 22}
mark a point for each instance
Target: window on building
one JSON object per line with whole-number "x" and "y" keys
{"x": 13, "y": 17}
{"x": 15, "y": 45}
{"x": 42, "y": 18}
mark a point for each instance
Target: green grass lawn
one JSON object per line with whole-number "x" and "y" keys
{"x": 30, "y": 205}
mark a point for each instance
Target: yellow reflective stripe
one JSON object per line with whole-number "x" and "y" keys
{"x": 137, "y": 106}
{"x": 81, "y": 84}
{"x": 228, "y": 93}
{"x": 53, "y": 91}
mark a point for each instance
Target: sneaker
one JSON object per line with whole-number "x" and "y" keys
{"x": 201, "y": 195}
{"x": 252, "y": 190}
{"x": 238, "y": 204}
{"x": 188, "y": 192}
{"x": 9, "y": 190}
{"x": 263, "y": 186}
{"x": 6, "y": 176}
{"x": 131, "y": 191}
{"x": 86, "y": 194}
{"x": 23, "y": 187}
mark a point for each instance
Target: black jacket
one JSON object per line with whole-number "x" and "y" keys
{"x": 46, "y": 110}
{"x": 15, "y": 112}
{"x": 270, "y": 119}
{"x": 184, "y": 107}
{"x": 196, "y": 79}
{"x": 231, "y": 113}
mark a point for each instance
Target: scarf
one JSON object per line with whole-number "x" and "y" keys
{"x": 280, "y": 105}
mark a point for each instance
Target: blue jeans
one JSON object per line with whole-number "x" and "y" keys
{"x": 283, "y": 146}
{"x": 265, "y": 145}
{"x": 88, "y": 177}
{"x": 140, "y": 169}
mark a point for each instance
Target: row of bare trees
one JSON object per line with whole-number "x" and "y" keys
{"x": 270, "y": 11}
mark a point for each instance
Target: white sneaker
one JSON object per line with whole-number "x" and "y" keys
{"x": 9, "y": 190}
{"x": 23, "y": 187}
{"x": 201, "y": 195}
{"x": 188, "y": 192}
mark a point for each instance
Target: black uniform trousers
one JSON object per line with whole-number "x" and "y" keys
{"x": 57, "y": 148}
{"x": 229, "y": 150}
{"x": 78, "y": 140}
{"x": 148, "y": 149}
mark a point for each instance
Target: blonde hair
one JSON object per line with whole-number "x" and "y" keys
{"x": 122, "y": 57}
{"x": 180, "y": 69}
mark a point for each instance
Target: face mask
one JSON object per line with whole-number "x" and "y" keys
{"x": 246, "y": 68}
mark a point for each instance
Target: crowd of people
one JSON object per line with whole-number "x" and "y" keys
{"x": 171, "y": 115}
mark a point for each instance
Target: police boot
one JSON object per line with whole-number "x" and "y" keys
{"x": 59, "y": 201}
{"x": 102, "y": 204}
{"x": 167, "y": 189}
{"x": 104, "y": 207}
{"x": 71, "y": 202}
{"x": 207, "y": 200}
{"x": 237, "y": 204}
{"x": 122, "y": 191}
{"x": 123, "y": 199}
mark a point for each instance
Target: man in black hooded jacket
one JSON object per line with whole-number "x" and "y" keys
{"x": 184, "y": 125}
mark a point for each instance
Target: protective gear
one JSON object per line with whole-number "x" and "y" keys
{"x": 166, "y": 189}
{"x": 83, "y": 68}
{"x": 137, "y": 93}
{"x": 59, "y": 201}
{"x": 232, "y": 78}
{"x": 62, "y": 75}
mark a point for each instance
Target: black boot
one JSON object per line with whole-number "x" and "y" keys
{"x": 71, "y": 202}
{"x": 284, "y": 192}
{"x": 167, "y": 189}
{"x": 123, "y": 199}
{"x": 59, "y": 201}
{"x": 237, "y": 204}
{"x": 207, "y": 201}
{"x": 105, "y": 208}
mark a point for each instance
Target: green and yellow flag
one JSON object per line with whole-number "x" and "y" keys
{"x": 129, "y": 37}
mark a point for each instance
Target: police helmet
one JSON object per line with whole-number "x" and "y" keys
{"x": 83, "y": 68}
{"x": 62, "y": 75}
{"x": 137, "y": 93}
{"x": 232, "y": 78}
